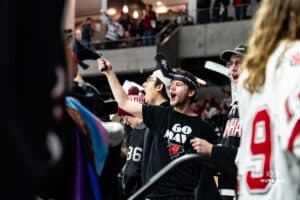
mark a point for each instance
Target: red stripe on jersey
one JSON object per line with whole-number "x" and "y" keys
{"x": 295, "y": 133}
{"x": 287, "y": 110}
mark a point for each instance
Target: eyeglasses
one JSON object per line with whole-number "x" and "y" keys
{"x": 236, "y": 63}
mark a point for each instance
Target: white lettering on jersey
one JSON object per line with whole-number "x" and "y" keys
{"x": 232, "y": 128}
{"x": 185, "y": 130}
{"x": 178, "y": 134}
{"x": 134, "y": 153}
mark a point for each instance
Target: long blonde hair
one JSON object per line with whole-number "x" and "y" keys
{"x": 276, "y": 20}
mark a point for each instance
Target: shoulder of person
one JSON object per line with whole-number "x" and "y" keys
{"x": 157, "y": 107}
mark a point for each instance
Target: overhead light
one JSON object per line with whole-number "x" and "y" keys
{"x": 125, "y": 9}
{"x": 135, "y": 14}
{"x": 111, "y": 11}
{"x": 159, "y": 3}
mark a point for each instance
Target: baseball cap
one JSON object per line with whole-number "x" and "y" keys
{"x": 239, "y": 50}
{"x": 133, "y": 95}
{"x": 189, "y": 79}
{"x": 166, "y": 81}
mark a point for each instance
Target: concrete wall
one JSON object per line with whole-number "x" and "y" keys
{"x": 192, "y": 41}
{"x": 208, "y": 40}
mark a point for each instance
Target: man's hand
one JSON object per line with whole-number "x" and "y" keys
{"x": 104, "y": 66}
{"x": 201, "y": 146}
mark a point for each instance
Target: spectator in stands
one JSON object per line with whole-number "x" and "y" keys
{"x": 222, "y": 156}
{"x": 87, "y": 32}
{"x": 127, "y": 25}
{"x": 184, "y": 19}
{"x": 170, "y": 128}
{"x": 115, "y": 31}
{"x": 203, "y": 11}
{"x": 140, "y": 33}
{"x": 240, "y": 7}
{"x": 149, "y": 25}
{"x": 130, "y": 30}
{"x": 156, "y": 89}
{"x": 34, "y": 139}
{"x": 131, "y": 172}
{"x": 135, "y": 171}
{"x": 125, "y": 21}
{"x": 91, "y": 99}
{"x": 210, "y": 109}
{"x": 269, "y": 94}
{"x": 220, "y": 10}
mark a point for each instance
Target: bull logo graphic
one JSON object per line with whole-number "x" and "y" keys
{"x": 175, "y": 150}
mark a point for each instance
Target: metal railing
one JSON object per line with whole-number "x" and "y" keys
{"x": 152, "y": 183}
{"x": 161, "y": 34}
{"x": 135, "y": 41}
{"x": 123, "y": 43}
{"x": 220, "y": 13}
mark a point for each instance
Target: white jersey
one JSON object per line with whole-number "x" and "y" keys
{"x": 269, "y": 155}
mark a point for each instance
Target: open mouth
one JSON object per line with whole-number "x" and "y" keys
{"x": 172, "y": 96}
{"x": 235, "y": 76}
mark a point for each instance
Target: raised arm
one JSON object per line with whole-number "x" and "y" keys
{"x": 119, "y": 94}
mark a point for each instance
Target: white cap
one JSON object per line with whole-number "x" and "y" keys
{"x": 166, "y": 81}
{"x": 127, "y": 84}
{"x": 115, "y": 131}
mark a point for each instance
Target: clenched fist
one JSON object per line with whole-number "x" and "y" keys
{"x": 201, "y": 146}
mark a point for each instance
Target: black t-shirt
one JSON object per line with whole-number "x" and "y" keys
{"x": 147, "y": 149}
{"x": 132, "y": 170}
{"x": 171, "y": 131}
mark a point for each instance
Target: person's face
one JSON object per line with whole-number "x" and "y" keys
{"x": 234, "y": 65}
{"x": 150, "y": 89}
{"x": 179, "y": 93}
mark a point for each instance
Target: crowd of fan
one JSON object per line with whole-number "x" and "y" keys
{"x": 127, "y": 32}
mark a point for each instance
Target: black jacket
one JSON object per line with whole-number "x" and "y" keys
{"x": 224, "y": 153}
